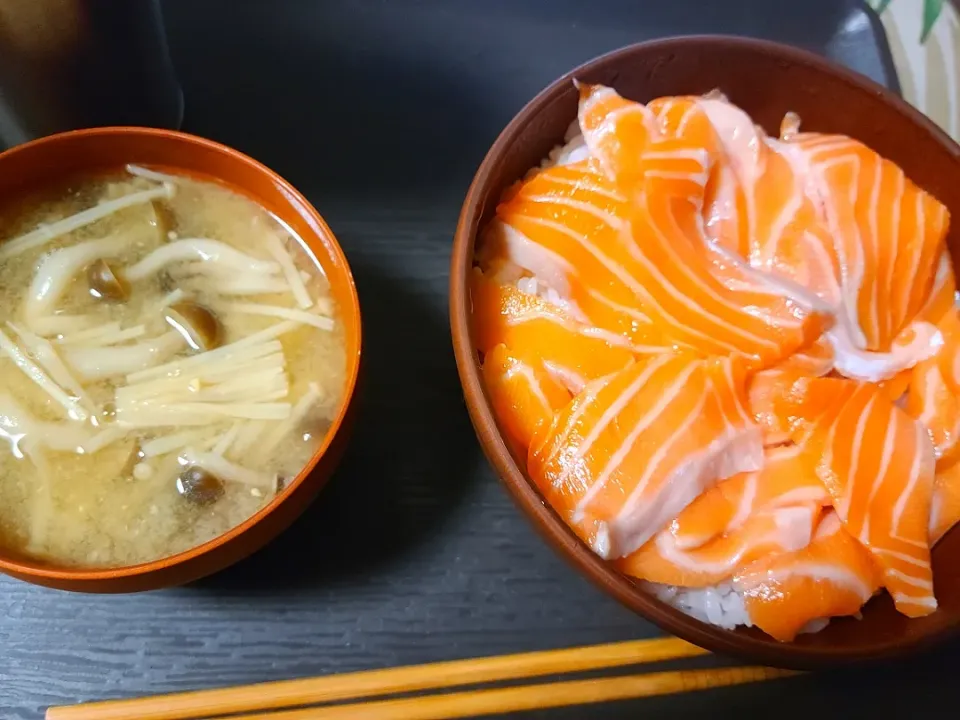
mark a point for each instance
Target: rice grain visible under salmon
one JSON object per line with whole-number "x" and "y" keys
{"x": 704, "y": 341}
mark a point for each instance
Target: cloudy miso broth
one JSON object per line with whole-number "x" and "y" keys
{"x": 170, "y": 357}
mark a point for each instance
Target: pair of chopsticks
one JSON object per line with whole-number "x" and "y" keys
{"x": 298, "y": 699}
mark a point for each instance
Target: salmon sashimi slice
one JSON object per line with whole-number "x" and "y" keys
{"x": 678, "y": 288}
{"x": 878, "y": 465}
{"x": 751, "y": 194}
{"x": 833, "y": 576}
{"x": 786, "y": 479}
{"x": 682, "y": 296}
{"x": 792, "y": 230}
{"x": 720, "y": 204}
{"x": 755, "y": 205}
{"x": 725, "y": 203}
{"x": 888, "y": 234}
{"x": 617, "y": 131}
{"x": 784, "y": 529}
{"x": 792, "y": 238}
{"x": 563, "y": 225}
{"x": 782, "y": 226}
{"x": 934, "y": 391}
{"x": 943, "y": 297}
{"x": 815, "y": 360}
{"x": 542, "y": 334}
{"x": 896, "y": 387}
{"x": 633, "y": 450}
{"x": 523, "y": 395}
{"x": 945, "y": 508}
{"x": 795, "y": 233}
{"x": 801, "y": 403}
{"x": 767, "y": 387}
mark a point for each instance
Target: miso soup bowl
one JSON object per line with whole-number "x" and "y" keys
{"x": 767, "y": 80}
{"x": 48, "y": 160}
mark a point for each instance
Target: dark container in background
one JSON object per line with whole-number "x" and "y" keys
{"x": 67, "y": 64}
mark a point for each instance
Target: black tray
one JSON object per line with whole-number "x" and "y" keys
{"x": 380, "y": 111}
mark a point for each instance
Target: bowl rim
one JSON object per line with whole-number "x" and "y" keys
{"x": 525, "y": 493}
{"x": 27, "y": 569}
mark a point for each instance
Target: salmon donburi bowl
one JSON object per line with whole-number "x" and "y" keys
{"x": 708, "y": 335}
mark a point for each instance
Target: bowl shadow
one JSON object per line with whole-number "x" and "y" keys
{"x": 324, "y": 115}
{"x": 396, "y": 483}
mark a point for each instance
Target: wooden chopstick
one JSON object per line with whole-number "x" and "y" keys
{"x": 531, "y": 697}
{"x": 371, "y": 683}
{"x": 276, "y": 696}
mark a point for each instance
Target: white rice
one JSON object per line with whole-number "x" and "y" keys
{"x": 573, "y": 150}
{"x": 533, "y": 286}
{"x": 720, "y": 605}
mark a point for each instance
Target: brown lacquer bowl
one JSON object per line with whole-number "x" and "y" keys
{"x": 767, "y": 80}
{"x": 45, "y": 162}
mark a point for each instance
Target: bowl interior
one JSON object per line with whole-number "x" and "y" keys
{"x": 47, "y": 161}
{"x": 766, "y": 80}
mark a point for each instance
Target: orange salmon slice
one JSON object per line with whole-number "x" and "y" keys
{"x": 631, "y": 451}
{"x": 524, "y": 396}
{"x": 779, "y": 530}
{"x": 833, "y": 576}
{"x": 768, "y": 388}
{"x": 617, "y": 132}
{"x": 678, "y": 287}
{"x": 945, "y": 508}
{"x": 725, "y": 203}
{"x": 943, "y": 296}
{"x": 562, "y": 225}
{"x": 897, "y": 386}
{"x": 878, "y": 465}
{"x": 542, "y": 334}
{"x": 786, "y": 479}
{"x": 754, "y": 204}
{"x": 934, "y": 390}
{"x": 775, "y": 226}
{"x": 888, "y": 235}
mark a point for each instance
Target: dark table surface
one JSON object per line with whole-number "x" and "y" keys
{"x": 380, "y": 112}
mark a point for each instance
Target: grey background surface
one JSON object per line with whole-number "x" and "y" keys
{"x": 380, "y": 112}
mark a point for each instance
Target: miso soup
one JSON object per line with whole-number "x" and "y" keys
{"x": 170, "y": 357}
